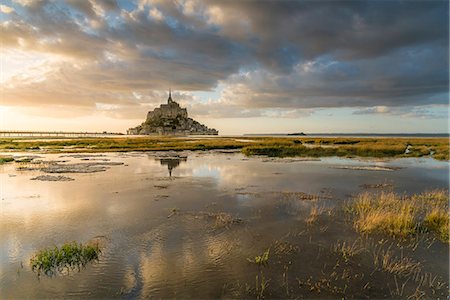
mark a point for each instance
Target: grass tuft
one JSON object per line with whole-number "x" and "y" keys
{"x": 347, "y": 250}
{"x": 438, "y": 221}
{"x": 402, "y": 216}
{"x": 5, "y": 159}
{"x": 314, "y": 215}
{"x": 401, "y": 266}
{"x": 261, "y": 260}
{"x": 70, "y": 255}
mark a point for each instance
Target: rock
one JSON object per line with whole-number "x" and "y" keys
{"x": 376, "y": 186}
{"x": 92, "y": 167}
{"x": 83, "y": 155}
{"x": 170, "y": 119}
{"x": 52, "y": 178}
{"x": 368, "y": 168}
{"x": 55, "y": 167}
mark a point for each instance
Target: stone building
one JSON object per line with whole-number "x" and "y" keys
{"x": 170, "y": 119}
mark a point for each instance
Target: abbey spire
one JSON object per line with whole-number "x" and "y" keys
{"x": 170, "y": 97}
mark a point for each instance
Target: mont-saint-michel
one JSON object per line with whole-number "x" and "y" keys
{"x": 170, "y": 119}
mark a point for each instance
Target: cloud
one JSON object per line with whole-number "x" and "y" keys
{"x": 416, "y": 112}
{"x": 278, "y": 59}
{"x": 347, "y": 30}
{"x": 6, "y": 9}
{"x": 392, "y": 80}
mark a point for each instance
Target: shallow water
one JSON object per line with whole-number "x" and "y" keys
{"x": 157, "y": 219}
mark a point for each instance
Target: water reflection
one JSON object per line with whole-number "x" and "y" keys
{"x": 171, "y": 160}
{"x": 172, "y": 163}
{"x": 149, "y": 253}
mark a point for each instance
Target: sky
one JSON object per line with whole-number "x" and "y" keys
{"x": 238, "y": 66}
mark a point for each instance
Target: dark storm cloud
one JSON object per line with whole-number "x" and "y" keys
{"x": 345, "y": 29}
{"x": 267, "y": 54}
{"x": 416, "y": 78}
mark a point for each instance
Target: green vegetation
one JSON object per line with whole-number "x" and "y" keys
{"x": 261, "y": 260}
{"x": 261, "y": 283}
{"x": 271, "y": 146}
{"x": 402, "y": 216}
{"x": 363, "y": 151}
{"x": 70, "y": 255}
{"x": 361, "y": 147}
{"x": 24, "y": 160}
{"x": 119, "y": 144}
{"x": 6, "y": 159}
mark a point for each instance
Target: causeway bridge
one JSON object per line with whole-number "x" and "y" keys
{"x": 18, "y": 133}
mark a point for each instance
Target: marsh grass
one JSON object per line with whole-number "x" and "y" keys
{"x": 122, "y": 144}
{"x": 23, "y": 160}
{"x": 223, "y": 220}
{"x": 318, "y": 151}
{"x": 400, "y": 215}
{"x": 350, "y": 147}
{"x": 314, "y": 215}
{"x": 5, "y": 159}
{"x": 69, "y": 256}
{"x": 271, "y": 146}
{"x": 216, "y": 220}
{"x": 348, "y": 250}
{"x": 438, "y": 221}
{"x": 385, "y": 260}
{"x": 261, "y": 260}
{"x": 261, "y": 285}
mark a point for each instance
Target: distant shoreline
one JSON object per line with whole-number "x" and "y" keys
{"x": 76, "y": 135}
{"x": 437, "y": 135}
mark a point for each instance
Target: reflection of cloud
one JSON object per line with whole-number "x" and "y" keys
{"x": 176, "y": 264}
{"x": 34, "y": 200}
{"x": 226, "y": 173}
{"x": 207, "y": 171}
{"x": 151, "y": 267}
{"x": 130, "y": 280}
{"x": 6, "y": 9}
{"x": 14, "y": 248}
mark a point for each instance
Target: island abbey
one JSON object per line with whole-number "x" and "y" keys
{"x": 170, "y": 119}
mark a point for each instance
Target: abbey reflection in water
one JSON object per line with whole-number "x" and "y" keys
{"x": 171, "y": 162}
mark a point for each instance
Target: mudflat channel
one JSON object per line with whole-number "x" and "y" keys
{"x": 192, "y": 224}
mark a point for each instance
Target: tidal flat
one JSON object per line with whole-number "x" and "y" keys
{"x": 222, "y": 224}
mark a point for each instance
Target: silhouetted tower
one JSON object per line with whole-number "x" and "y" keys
{"x": 170, "y": 97}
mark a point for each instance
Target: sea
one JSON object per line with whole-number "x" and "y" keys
{"x": 404, "y": 135}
